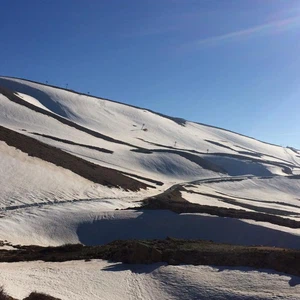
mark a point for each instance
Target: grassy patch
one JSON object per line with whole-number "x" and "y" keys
{"x": 170, "y": 251}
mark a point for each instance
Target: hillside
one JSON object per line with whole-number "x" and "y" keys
{"x": 82, "y": 169}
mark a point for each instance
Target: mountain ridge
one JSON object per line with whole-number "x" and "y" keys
{"x": 178, "y": 120}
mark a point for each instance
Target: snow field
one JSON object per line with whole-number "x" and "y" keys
{"x": 98, "y": 279}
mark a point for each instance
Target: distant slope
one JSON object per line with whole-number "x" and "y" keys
{"x": 158, "y": 142}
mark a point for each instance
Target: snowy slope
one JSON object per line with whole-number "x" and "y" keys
{"x": 125, "y": 124}
{"x": 79, "y": 280}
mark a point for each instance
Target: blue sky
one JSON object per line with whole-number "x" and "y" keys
{"x": 233, "y": 64}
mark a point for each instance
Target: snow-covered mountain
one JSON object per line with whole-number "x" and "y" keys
{"x": 69, "y": 160}
{"x": 113, "y": 150}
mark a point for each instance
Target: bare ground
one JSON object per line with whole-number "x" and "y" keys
{"x": 171, "y": 251}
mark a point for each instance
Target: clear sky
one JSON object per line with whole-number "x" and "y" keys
{"x": 229, "y": 63}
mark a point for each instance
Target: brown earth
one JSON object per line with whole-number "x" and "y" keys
{"x": 170, "y": 251}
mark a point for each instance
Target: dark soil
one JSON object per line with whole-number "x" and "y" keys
{"x": 170, "y": 251}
